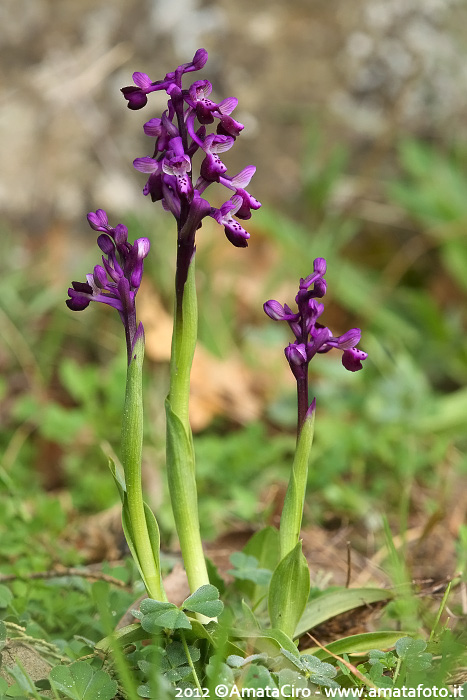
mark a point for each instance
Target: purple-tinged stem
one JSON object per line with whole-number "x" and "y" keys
{"x": 302, "y": 401}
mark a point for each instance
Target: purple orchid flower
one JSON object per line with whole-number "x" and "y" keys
{"x": 311, "y": 337}
{"x": 177, "y": 139}
{"x": 117, "y": 280}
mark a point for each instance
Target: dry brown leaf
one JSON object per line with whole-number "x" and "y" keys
{"x": 221, "y": 387}
{"x": 157, "y": 324}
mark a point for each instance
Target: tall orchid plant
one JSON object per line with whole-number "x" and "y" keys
{"x": 193, "y": 123}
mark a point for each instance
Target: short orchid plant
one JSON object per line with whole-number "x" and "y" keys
{"x": 193, "y": 124}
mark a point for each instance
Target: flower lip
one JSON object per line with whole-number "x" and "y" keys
{"x": 135, "y": 96}
{"x": 352, "y": 359}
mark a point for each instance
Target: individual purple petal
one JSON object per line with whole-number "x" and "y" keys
{"x": 349, "y": 340}
{"x": 170, "y": 128}
{"x": 171, "y": 199}
{"x": 319, "y": 288}
{"x": 278, "y": 312}
{"x": 120, "y": 233}
{"x": 125, "y": 294}
{"x": 218, "y": 143}
{"x": 141, "y": 80}
{"x": 98, "y": 220}
{"x": 199, "y": 59}
{"x": 228, "y": 105}
{"x": 136, "y": 274}
{"x": 113, "y": 274}
{"x": 296, "y": 354}
{"x": 82, "y": 287}
{"x": 352, "y": 359}
{"x": 242, "y": 179}
{"x": 153, "y": 127}
{"x": 100, "y": 277}
{"x": 319, "y": 338}
{"x": 319, "y": 265}
{"x": 106, "y": 244}
{"x": 297, "y": 359}
{"x": 153, "y": 187}
{"x": 274, "y": 310}
{"x": 143, "y": 245}
{"x": 146, "y": 165}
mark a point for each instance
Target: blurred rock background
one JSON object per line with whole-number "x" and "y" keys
{"x": 365, "y": 72}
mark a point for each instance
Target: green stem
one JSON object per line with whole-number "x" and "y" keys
{"x": 132, "y": 448}
{"x": 180, "y": 451}
{"x": 292, "y": 512}
{"x": 190, "y": 663}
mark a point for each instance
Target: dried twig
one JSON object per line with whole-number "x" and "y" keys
{"x": 353, "y": 669}
{"x": 70, "y": 571}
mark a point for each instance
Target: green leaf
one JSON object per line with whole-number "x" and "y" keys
{"x": 357, "y": 644}
{"x": 123, "y": 636}
{"x": 411, "y": 651}
{"x": 294, "y": 679}
{"x": 270, "y": 640}
{"x": 6, "y": 596}
{"x": 239, "y": 661}
{"x": 246, "y": 569}
{"x": 257, "y": 677}
{"x": 23, "y": 680}
{"x": 158, "y": 614}
{"x": 289, "y": 590}
{"x": 332, "y": 603}
{"x": 407, "y": 647}
{"x": 293, "y": 658}
{"x": 264, "y": 545}
{"x": 292, "y": 511}
{"x": 153, "y": 531}
{"x": 176, "y": 654}
{"x": 80, "y": 682}
{"x": 119, "y": 478}
{"x": 220, "y": 673}
{"x": 204, "y": 600}
{"x": 200, "y": 631}
{"x": 214, "y": 576}
{"x": 249, "y": 618}
{"x": 316, "y": 668}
